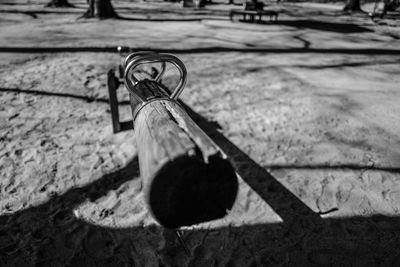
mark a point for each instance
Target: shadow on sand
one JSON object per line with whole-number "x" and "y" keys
{"x": 153, "y": 16}
{"x": 210, "y": 49}
{"x": 159, "y": 20}
{"x": 324, "y": 26}
{"x": 50, "y": 235}
{"x": 87, "y": 99}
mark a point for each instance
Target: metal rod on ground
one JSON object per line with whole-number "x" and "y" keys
{"x": 112, "y": 84}
{"x": 187, "y": 179}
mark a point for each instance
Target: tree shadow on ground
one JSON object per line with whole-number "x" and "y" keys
{"x": 35, "y": 13}
{"x": 28, "y": 13}
{"x": 158, "y": 19}
{"x": 351, "y": 64}
{"x": 393, "y": 15}
{"x": 324, "y": 26}
{"x": 391, "y": 20}
{"x": 14, "y": 4}
{"x": 354, "y": 167}
{"x": 172, "y": 15}
{"x": 200, "y": 50}
{"x": 50, "y": 235}
{"x": 87, "y": 99}
{"x": 151, "y": 15}
{"x": 171, "y": 11}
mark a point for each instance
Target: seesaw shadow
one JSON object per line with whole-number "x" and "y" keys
{"x": 50, "y": 235}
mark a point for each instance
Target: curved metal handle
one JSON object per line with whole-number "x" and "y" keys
{"x": 136, "y": 55}
{"x": 134, "y": 60}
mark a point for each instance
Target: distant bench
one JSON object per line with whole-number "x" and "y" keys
{"x": 273, "y": 15}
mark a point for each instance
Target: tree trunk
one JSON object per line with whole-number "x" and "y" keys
{"x": 59, "y": 3}
{"x": 102, "y": 9}
{"x": 352, "y": 6}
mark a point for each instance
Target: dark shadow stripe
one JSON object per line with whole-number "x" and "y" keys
{"x": 212, "y": 49}
{"x": 333, "y": 167}
{"x": 44, "y": 93}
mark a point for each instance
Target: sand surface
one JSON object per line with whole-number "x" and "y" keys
{"x": 307, "y": 109}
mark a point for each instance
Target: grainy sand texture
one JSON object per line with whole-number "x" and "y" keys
{"x": 307, "y": 109}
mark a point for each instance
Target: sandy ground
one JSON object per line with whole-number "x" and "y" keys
{"x": 306, "y": 108}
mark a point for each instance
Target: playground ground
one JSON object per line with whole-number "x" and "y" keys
{"x": 306, "y": 108}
